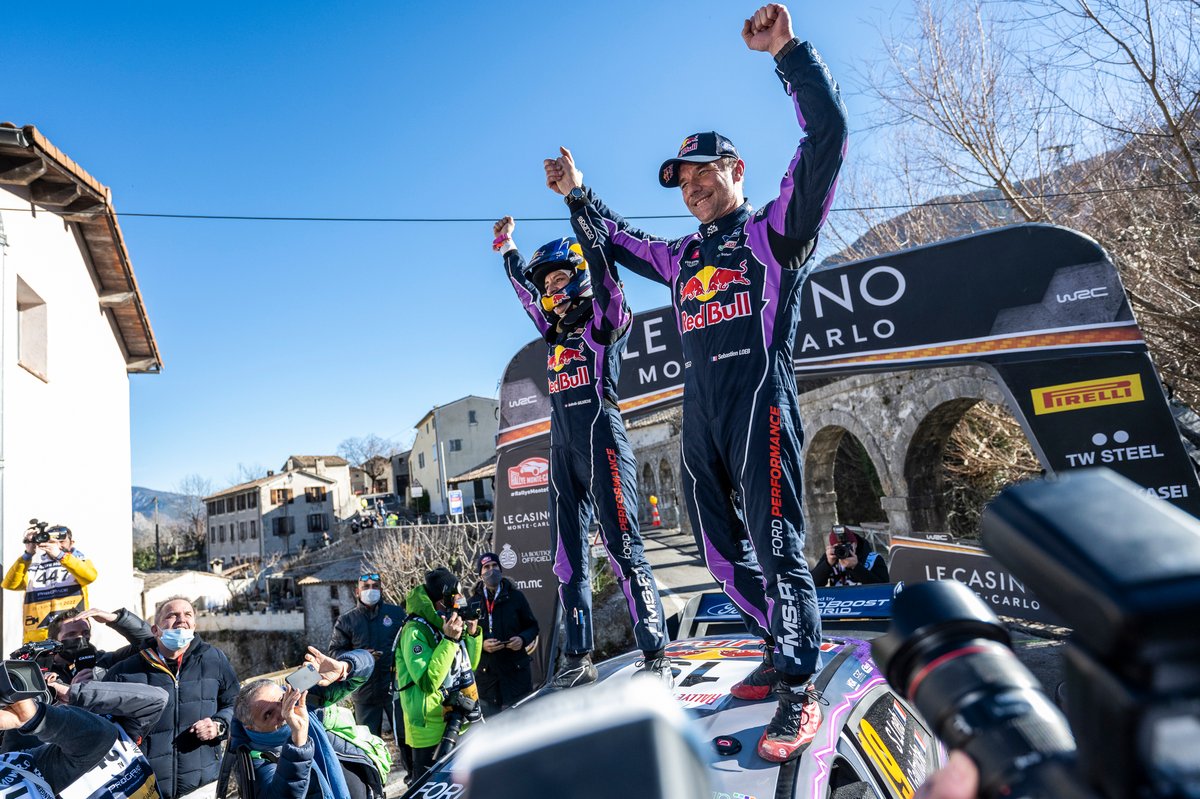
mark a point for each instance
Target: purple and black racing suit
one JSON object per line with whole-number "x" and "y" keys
{"x": 735, "y": 286}
{"x": 592, "y": 468}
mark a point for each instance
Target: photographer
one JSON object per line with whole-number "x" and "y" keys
{"x": 435, "y": 665}
{"x": 70, "y": 741}
{"x": 53, "y": 575}
{"x": 299, "y": 741}
{"x": 73, "y": 629}
{"x": 849, "y": 560}
{"x": 509, "y": 626}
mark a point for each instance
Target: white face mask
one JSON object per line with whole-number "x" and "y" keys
{"x": 369, "y": 596}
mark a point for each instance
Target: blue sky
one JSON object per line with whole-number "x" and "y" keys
{"x": 288, "y": 337}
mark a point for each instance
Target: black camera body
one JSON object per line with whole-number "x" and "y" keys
{"x": 44, "y": 532}
{"x": 457, "y": 603}
{"x": 844, "y": 548}
{"x": 1132, "y": 662}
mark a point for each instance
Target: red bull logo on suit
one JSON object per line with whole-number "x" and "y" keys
{"x": 706, "y": 284}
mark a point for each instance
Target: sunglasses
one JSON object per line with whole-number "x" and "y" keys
{"x": 367, "y": 577}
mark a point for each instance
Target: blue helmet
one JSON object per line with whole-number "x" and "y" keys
{"x": 560, "y": 254}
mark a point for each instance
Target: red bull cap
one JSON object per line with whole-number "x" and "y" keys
{"x": 699, "y": 148}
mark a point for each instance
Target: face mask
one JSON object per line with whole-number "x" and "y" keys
{"x": 493, "y": 578}
{"x": 177, "y": 639}
{"x": 370, "y": 596}
{"x": 267, "y": 740}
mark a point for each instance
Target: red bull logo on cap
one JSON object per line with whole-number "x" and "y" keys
{"x": 689, "y": 144}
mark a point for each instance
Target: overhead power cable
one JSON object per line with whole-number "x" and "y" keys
{"x": 843, "y": 209}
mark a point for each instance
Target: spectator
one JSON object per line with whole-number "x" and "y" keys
{"x": 184, "y": 746}
{"x": 54, "y": 576}
{"x": 74, "y": 630}
{"x": 435, "y": 663}
{"x": 287, "y": 733}
{"x": 373, "y": 625}
{"x": 72, "y": 743}
{"x": 849, "y": 560}
{"x": 509, "y": 627}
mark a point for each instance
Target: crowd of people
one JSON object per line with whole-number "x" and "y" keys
{"x": 450, "y": 654}
{"x": 165, "y": 715}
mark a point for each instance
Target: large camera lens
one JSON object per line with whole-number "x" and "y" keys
{"x": 947, "y": 652}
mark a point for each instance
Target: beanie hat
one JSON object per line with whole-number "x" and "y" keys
{"x": 486, "y": 558}
{"x": 438, "y": 582}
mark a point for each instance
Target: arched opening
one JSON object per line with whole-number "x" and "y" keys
{"x": 841, "y": 483}
{"x": 856, "y": 483}
{"x": 647, "y": 487}
{"x": 668, "y": 496}
{"x": 962, "y": 454}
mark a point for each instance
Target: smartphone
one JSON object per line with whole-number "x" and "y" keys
{"x": 303, "y": 678}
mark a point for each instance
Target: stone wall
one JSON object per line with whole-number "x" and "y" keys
{"x": 256, "y": 652}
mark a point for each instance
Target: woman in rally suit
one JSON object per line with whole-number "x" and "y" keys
{"x": 580, "y": 310}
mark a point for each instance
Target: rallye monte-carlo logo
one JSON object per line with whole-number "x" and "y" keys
{"x": 1087, "y": 394}
{"x": 558, "y": 359}
{"x": 528, "y": 473}
{"x": 706, "y": 284}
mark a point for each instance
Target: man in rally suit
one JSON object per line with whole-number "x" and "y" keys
{"x": 580, "y": 310}
{"x": 735, "y": 288}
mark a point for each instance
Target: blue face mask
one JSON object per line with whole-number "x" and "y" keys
{"x": 266, "y": 740}
{"x": 177, "y": 638}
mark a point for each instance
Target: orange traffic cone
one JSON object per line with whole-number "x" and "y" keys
{"x": 655, "y": 521}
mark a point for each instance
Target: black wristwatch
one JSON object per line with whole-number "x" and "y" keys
{"x": 575, "y": 195}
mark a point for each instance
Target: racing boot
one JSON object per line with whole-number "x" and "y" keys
{"x": 794, "y": 725}
{"x": 658, "y": 666}
{"x": 758, "y": 684}
{"x": 577, "y": 671}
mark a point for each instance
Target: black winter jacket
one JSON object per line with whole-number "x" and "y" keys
{"x": 206, "y": 687}
{"x": 372, "y": 629}
{"x": 504, "y": 677}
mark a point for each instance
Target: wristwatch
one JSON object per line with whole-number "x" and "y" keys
{"x": 575, "y": 195}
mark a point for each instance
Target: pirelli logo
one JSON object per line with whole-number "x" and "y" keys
{"x": 1088, "y": 394}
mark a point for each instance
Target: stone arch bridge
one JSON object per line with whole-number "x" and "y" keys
{"x": 902, "y": 420}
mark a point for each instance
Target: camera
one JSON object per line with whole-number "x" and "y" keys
{"x": 37, "y": 651}
{"x": 44, "y": 532}
{"x": 461, "y": 706}
{"x": 458, "y": 604}
{"x": 844, "y": 548}
{"x": 21, "y": 679}
{"x": 1132, "y": 664}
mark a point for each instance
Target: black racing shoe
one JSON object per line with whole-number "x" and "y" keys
{"x": 795, "y": 724}
{"x": 658, "y": 666}
{"x": 758, "y": 684}
{"x": 577, "y": 671}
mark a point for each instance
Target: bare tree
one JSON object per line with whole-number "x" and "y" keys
{"x": 403, "y": 555}
{"x": 1075, "y": 112}
{"x": 247, "y": 473}
{"x": 371, "y": 453}
{"x": 194, "y": 525}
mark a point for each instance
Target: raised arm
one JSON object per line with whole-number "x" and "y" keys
{"x": 644, "y": 255}
{"x": 808, "y": 185}
{"x": 514, "y": 265}
{"x": 612, "y": 315}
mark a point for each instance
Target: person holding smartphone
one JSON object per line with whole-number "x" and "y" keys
{"x": 296, "y": 743}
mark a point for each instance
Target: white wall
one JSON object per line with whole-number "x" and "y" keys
{"x": 64, "y": 443}
{"x": 196, "y": 586}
